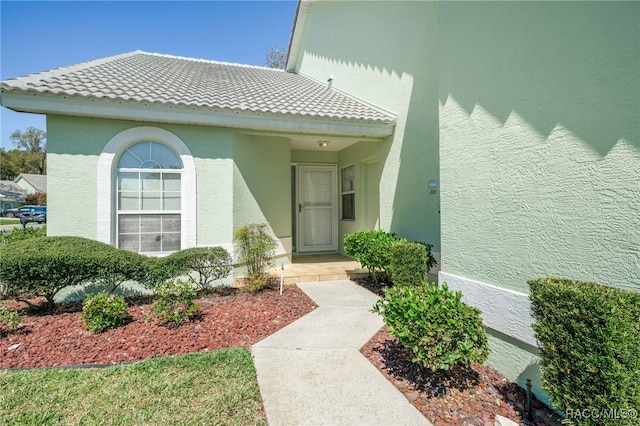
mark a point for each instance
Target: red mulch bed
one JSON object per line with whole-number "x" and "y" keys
{"x": 467, "y": 396}
{"x": 230, "y": 317}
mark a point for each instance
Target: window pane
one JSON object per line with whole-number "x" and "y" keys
{"x": 149, "y": 155}
{"x": 129, "y": 242}
{"x": 150, "y": 243}
{"x": 165, "y": 157}
{"x": 171, "y": 242}
{"x": 171, "y": 223}
{"x": 128, "y": 161}
{"x": 171, "y": 181}
{"x": 171, "y": 201}
{"x": 348, "y": 179}
{"x": 128, "y": 201}
{"x": 128, "y": 181}
{"x": 151, "y": 201}
{"x": 150, "y": 181}
{"x": 150, "y": 223}
{"x": 349, "y": 206}
{"x": 128, "y": 224}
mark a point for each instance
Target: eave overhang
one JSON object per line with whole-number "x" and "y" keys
{"x": 40, "y": 103}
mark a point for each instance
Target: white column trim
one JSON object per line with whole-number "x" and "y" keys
{"x": 106, "y": 168}
{"x": 504, "y": 310}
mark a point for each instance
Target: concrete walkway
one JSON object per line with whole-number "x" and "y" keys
{"x": 312, "y": 373}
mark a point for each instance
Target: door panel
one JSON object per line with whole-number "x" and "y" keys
{"x": 317, "y": 208}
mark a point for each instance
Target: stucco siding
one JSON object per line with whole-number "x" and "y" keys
{"x": 262, "y": 185}
{"x": 395, "y": 70}
{"x": 540, "y": 141}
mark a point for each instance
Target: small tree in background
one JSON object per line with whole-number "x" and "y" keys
{"x": 32, "y": 143}
{"x": 276, "y": 57}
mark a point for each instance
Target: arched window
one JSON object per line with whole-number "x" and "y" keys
{"x": 149, "y": 198}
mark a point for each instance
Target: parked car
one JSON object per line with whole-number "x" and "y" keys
{"x": 39, "y": 216}
{"x": 27, "y": 211}
{"x": 20, "y": 211}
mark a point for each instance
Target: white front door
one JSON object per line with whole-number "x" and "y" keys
{"x": 317, "y": 208}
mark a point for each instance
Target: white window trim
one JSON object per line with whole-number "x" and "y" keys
{"x": 108, "y": 166}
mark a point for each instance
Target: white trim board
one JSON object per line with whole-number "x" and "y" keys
{"x": 504, "y": 310}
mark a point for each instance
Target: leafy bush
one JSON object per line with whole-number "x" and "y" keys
{"x": 9, "y": 317}
{"x": 257, "y": 283}
{"x": 408, "y": 263}
{"x": 256, "y": 249}
{"x": 589, "y": 340}
{"x": 440, "y": 330}
{"x": 36, "y": 199}
{"x": 431, "y": 261}
{"x": 174, "y": 304}
{"x": 103, "y": 311}
{"x": 371, "y": 248}
{"x": 19, "y": 234}
{"x": 210, "y": 264}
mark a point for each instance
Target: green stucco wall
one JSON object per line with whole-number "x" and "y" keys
{"x": 385, "y": 69}
{"x": 262, "y": 183}
{"x": 540, "y": 141}
{"x": 73, "y": 148}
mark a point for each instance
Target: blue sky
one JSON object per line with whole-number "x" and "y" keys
{"x": 40, "y": 35}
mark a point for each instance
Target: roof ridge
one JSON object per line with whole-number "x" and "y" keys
{"x": 210, "y": 61}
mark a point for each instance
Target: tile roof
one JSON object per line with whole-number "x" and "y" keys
{"x": 11, "y": 191}
{"x": 177, "y": 81}
{"x": 38, "y": 182}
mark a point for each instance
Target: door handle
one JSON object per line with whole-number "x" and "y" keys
{"x": 299, "y": 208}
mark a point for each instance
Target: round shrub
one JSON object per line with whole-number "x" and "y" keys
{"x": 174, "y": 304}
{"x": 103, "y": 311}
{"x": 440, "y": 330}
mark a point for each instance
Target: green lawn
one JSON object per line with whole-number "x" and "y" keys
{"x": 218, "y": 387}
{"x": 6, "y": 221}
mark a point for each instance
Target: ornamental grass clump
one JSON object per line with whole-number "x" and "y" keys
{"x": 175, "y": 303}
{"x": 438, "y": 328}
{"x": 103, "y": 311}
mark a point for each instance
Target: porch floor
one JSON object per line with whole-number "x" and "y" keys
{"x": 319, "y": 267}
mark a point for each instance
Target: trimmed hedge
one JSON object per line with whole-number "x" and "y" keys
{"x": 408, "y": 264}
{"x": 210, "y": 264}
{"x": 374, "y": 251}
{"x": 44, "y": 266}
{"x": 589, "y": 340}
{"x": 371, "y": 248}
